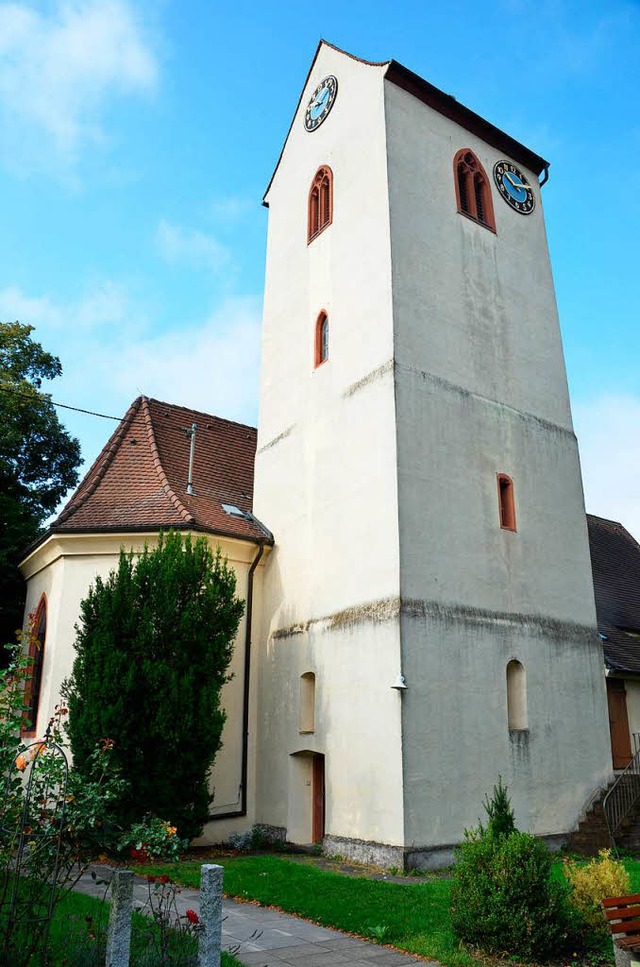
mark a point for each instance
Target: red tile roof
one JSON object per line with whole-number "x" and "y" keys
{"x": 139, "y": 481}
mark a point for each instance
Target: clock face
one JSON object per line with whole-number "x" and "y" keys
{"x": 514, "y": 187}
{"x": 321, "y": 102}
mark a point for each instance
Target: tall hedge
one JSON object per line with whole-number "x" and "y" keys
{"x": 153, "y": 648}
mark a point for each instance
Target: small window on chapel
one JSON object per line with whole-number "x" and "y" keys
{"x": 320, "y": 202}
{"x": 321, "y": 349}
{"x": 36, "y": 661}
{"x": 473, "y": 191}
{"x": 307, "y": 716}
{"x": 506, "y": 502}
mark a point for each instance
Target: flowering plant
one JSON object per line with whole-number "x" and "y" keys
{"x": 153, "y": 839}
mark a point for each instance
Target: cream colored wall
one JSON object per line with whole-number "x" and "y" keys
{"x": 481, "y": 389}
{"x": 64, "y": 567}
{"x": 325, "y": 479}
{"x": 632, "y": 688}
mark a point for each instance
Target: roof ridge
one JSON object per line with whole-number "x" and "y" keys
{"x": 157, "y": 463}
{"x": 209, "y": 416}
{"x": 109, "y": 451}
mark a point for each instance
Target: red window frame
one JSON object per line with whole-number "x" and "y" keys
{"x": 33, "y": 685}
{"x": 320, "y": 209}
{"x": 506, "y": 502}
{"x": 473, "y": 189}
{"x": 321, "y": 340}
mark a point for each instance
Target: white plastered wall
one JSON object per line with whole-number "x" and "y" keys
{"x": 325, "y": 480}
{"x": 481, "y": 389}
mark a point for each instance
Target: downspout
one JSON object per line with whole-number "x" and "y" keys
{"x": 245, "y": 696}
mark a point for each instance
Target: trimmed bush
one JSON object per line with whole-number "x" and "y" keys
{"x": 503, "y": 898}
{"x": 591, "y": 882}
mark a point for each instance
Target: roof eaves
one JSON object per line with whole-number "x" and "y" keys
{"x": 156, "y": 528}
{"x": 449, "y": 107}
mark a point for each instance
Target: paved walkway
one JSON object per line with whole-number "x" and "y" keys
{"x": 261, "y": 937}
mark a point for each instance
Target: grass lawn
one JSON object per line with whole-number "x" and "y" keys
{"x": 412, "y": 916}
{"x": 416, "y": 916}
{"x": 77, "y": 936}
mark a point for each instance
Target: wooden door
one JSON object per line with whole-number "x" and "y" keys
{"x": 317, "y": 821}
{"x": 618, "y": 723}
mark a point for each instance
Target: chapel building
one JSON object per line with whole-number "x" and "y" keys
{"x": 413, "y": 546}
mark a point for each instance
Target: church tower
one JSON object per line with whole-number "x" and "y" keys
{"x": 418, "y": 467}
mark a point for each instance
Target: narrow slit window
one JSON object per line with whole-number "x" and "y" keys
{"x": 36, "y": 662}
{"x": 322, "y": 339}
{"x": 473, "y": 192}
{"x": 506, "y": 502}
{"x": 320, "y": 202}
{"x": 516, "y": 696}
{"x": 307, "y": 720}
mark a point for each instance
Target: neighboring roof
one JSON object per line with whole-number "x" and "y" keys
{"x": 445, "y": 104}
{"x": 615, "y": 562}
{"x": 139, "y": 481}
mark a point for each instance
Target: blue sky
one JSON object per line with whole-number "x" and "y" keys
{"x": 138, "y": 137}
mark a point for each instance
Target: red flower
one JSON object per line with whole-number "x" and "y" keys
{"x": 192, "y": 916}
{"x": 151, "y": 879}
{"x": 164, "y": 878}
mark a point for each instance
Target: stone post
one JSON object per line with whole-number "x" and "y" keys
{"x": 210, "y": 940}
{"x": 119, "y": 929}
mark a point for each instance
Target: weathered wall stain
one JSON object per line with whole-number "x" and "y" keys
{"x": 277, "y": 439}
{"x": 388, "y": 609}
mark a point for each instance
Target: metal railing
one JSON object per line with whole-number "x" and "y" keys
{"x": 623, "y": 795}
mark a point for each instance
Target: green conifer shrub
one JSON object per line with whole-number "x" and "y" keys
{"x": 502, "y": 821}
{"x": 503, "y": 897}
{"x": 153, "y": 648}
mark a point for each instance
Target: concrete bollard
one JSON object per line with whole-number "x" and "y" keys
{"x": 119, "y": 929}
{"x": 210, "y": 940}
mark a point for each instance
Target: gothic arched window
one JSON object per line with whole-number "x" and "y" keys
{"x": 320, "y": 202}
{"x": 322, "y": 339}
{"x": 473, "y": 190}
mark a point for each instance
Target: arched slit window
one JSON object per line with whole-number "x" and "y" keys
{"x": 506, "y": 502}
{"x": 38, "y": 634}
{"x": 516, "y": 696}
{"x": 320, "y": 202}
{"x": 473, "y": 190}
{"x": 307, "y": 702}
{"x": 321, "y": 349}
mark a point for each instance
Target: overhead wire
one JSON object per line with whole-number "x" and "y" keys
{"x": 64, "y": 406}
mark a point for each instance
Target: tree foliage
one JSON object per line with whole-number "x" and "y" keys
{"x": 38, "y": 459}
{"x": 153, "y": 648}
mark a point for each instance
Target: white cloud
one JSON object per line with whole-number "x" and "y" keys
{"x": 107, "y": 304}
{"x": 212, "y": 366}
{"x": 58, "y": 69}
{"x": 232, "y": 209}
{"x": 178, "y": 244}
{"x": 608, "y": 429}
{"x": 109, "y": 357}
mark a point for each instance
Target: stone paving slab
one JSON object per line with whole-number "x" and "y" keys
{"x": 262, "y": 937}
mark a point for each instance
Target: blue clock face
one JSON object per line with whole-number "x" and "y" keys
{"x": 514, "y": 187}
{"x": 320, "y": 103}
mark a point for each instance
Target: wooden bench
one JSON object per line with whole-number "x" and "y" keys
{"x": 623, "y": 917}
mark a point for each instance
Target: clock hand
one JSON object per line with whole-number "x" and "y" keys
{"x": 516, "y": 184}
